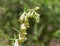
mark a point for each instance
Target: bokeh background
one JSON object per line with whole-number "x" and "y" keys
{"x": 45, "y": 33}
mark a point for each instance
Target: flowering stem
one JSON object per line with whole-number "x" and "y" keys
{"x": 25, "y": 24}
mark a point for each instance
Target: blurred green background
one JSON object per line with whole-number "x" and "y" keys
{"x": 45, "y": 33}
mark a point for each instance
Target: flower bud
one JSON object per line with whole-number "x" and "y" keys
{"x": 21, "y": 40}
{"x": 16, "y": 42}
{"x": 36, "y": 8}
{"x": 28, "y": 14}
{"x": 22, "y": 16}
{"x": 23, "y": 26}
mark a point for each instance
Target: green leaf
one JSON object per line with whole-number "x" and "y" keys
{"x": 57, "y": 33}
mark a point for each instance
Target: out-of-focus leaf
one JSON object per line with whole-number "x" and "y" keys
{"x": 57, "y": 33}
{"x": 40, "y": 30}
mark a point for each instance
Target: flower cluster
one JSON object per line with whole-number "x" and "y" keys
{"x": 25, "y": 24}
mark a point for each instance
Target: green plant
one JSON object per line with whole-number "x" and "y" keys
{"x": 24, "y": 24}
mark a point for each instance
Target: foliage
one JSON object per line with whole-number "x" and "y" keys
{"x": 41, "y": 34}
